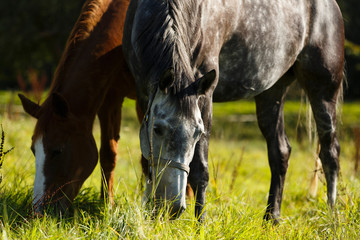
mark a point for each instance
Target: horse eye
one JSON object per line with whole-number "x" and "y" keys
{"x": 158, "y": 130}
{"x": 198, "y": 133}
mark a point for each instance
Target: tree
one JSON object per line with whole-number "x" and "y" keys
{"x": 33, "y": 35}
{"x": 350, "y": 10}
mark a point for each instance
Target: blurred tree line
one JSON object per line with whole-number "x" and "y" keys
{"x": 351, "y": 14}
{"x": 33, "y": 35}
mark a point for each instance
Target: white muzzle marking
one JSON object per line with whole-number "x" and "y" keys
{"x": 39, "y": 184}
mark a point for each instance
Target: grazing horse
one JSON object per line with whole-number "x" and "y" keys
{"x": 186, "y": 54}
{"x": 91, "y": 78}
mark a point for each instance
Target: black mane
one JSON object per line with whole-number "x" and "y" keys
{"x": 162, "y": 40}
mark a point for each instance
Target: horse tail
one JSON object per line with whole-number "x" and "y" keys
{"x": 309, "y": 126}
{"x": 340, "y": 96}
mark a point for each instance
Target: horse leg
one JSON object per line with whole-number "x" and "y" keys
{"x": 199, "y": 177}
{"x": 325, "y": 118}
{"x": 269, "y": 111}
{"x": 110, "y": 121}
{"x": 319, "y": 69}
{"x": 322, "y": 88}
{"x": 199, "y": 169}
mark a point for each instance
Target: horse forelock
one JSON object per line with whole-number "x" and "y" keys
{"x": 162, "y": 40}
{"x": 90, "y": 15}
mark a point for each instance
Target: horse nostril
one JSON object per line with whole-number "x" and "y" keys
{"x": 177, "y": 211}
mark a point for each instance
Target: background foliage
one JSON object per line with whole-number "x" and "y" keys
{"x": 351, "y": 10}
{"x": 33, "y": 35}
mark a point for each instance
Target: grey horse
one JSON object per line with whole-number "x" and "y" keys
{"x": 185, "y": 55}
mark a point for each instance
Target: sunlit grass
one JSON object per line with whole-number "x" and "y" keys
{"x": 236, "y": 196}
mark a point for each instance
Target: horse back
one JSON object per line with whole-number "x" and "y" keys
{"x": 269, "y": 38}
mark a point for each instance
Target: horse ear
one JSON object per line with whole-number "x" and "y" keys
{"x": 29, "y": 107}
{"x": 205, "y": 83}
{"x": 166, "y": 80}
{"x": 60, "y": 105}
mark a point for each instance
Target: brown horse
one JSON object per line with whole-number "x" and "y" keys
{"x": 92, "y": 78}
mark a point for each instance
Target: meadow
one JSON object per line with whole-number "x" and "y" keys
{"x": 236, "y": 196}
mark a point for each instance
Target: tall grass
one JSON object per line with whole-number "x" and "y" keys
{"x": 236, "y": 196}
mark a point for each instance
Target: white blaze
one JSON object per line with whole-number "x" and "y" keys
{"x": 39, "y": 184}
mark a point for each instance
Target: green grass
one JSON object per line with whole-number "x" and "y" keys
{"x": 236, "y": 196}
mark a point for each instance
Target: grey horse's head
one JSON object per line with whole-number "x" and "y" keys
{"x": 169, "y": 133}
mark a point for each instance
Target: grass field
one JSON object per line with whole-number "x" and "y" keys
{"x": 236, "y": 196}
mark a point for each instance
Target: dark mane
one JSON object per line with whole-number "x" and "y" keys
{"x": 162, "y": 40}
{"x": 90, "y": 15}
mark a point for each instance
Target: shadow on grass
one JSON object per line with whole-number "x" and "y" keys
{"x": 16, "y": 207}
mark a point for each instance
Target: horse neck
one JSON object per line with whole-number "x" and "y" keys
{"x": 89, "y": 65}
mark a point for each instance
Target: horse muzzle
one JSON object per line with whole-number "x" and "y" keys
{"x": 166, "y": 186}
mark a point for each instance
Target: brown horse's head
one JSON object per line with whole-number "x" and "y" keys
{"x": 65, "y": 152}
